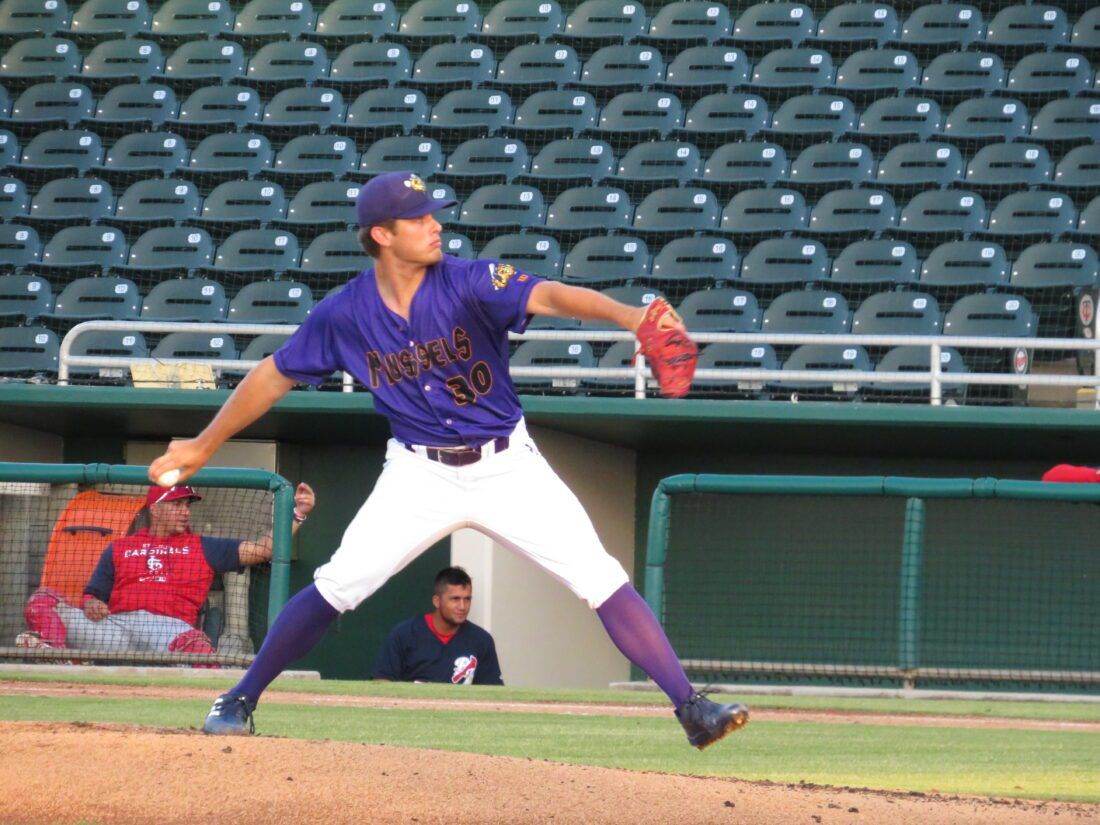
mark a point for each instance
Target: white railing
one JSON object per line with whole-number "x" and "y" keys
{"x": 935, "y": 378}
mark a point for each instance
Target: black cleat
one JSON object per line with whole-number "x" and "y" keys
{"x": 230, "y": 716}
{"x": 705, "y": 722}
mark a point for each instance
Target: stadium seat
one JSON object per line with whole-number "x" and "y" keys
{"x": 722, "y": 117}
{"x": 107, "y": 343}
{"x": 213, "y": 109}
{"x": 185, "y": 299}
{"x": 267, "y": 20}
{"x": 853, "y": 212}
{"x": 733, "y": 357}
{"x": 316, "y": 157}
{"x": 1049, "y": 75}
{"x": 135, "y": 107}
{"x": 458, "y": 245}
{"x": 538, "y": 254}
{"x": 551, "y": 354}
{"x": 24, "y": 296}
{"x": 334, "y": 253}
{"x": 144, "y": 154}
{"x": 991, "y": 315}
{"x": 154, "y": 202}
{"x": 635, "y": 296}
{"x": 241, "y": 204}
{"x": 619, "y": 355}
{"x": 262, "y": 346}
{"x": 85, "y": 248}
{"x": 606, "y": 21}
{"x": 721, "y": 310}
{"x": 57, "y": 105}
{"x": 851, "y": 25}
{"x": 568, "y": 162}
{"x": 503, "y": 207}
{"x": 767, "y": 25}
{"x": 386, "y": 109}
{"x": 1068, "y": 120}
{"x": 257, "y": 250}
{"x": 346, "y": 22}
{"x": 606, "y": 260}
{"x": 108, "y": 297}
{"x": 28, "y": 351}
{"x": 429, "y": 20}
{"x": 513, "y": 21}
{"x": 702, "y": 70}
{"x": 588, "y": 210}
{"x": 765, "y": 211}
{"x": 19, "y": 246}
{"x": 172, "y": 248}
{"x": 1009, "y": 166}
{"x": 1079, "y": 169}
{"x": 806, "y": 119}
{"x": 538, "y": 66}
{"x": 487, "y": 160}
{"x": 876, "y": 261}
{"x": 1050, "y": 214}
{"x": 684, "y": 22}
{"x": 656, "y": 164}
{"x": 201, "y": 62}
{"x": 421, "y": 155}
{"x": 675, "y": 211}
{"x": 303, "y": 111}
{"x": 703, "y": 258}
{"x": 942, "y": 26}
{"x": 965, "y": 263}
{"x": 830, "y": 357}
{"x": 286, "y": 63}
{"x": 1086, "y": 31}
{"x": 322, "y": 206}
{"x": 1047, "y": 265}
{"x": 60, "y": 153}
{"x": 897, "y": 313}
{"x": 986, "y": 120}
{"x": 832, "y": 165}
{"x": 781, "y": 71}
{"x": 180, "y": 21}
{"x": 733, "y": 166}
{"x": 67, "y": 200}
{"x": 918, "y": 166}
{"x": 808, "y": 310}
{"x": 15, "y": 202}
{"x": 622, "y": 67}
{"x": 466, "y": 113}
{"x": 1028, "y": 27}
{"x": 122, "y": 61}
{"x": 943, "y": 212}
{"x": 918, "y": 359}
{"x": 547, "y": 115}
{"x": 364, "y": 65}
{"x": 874, "y": 72}
{"x": 196, "y": 346}
{"x": 954, "y": 75}
{"x": 271, "y": 302}
{"x": 455, "y": 64}
{"x": 101, "y": 19}
{"x": 39, "y": 60}
{"x": 785, "y": 261}
{"x": 30, "y": 18}
{"x": 9, "y": 149}
{"x": 654, "y": 113}
{"x": 891, "y": 119}
{"x": 228, "y": 156}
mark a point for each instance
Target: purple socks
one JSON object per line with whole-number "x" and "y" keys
{"x": 299, "y": 627}
{"x": 639, "y": 636}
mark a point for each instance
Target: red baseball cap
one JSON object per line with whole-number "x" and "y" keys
{"x": 159, "y": 495}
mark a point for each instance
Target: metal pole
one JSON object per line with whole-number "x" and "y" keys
{"x": 912, "y": 560}
{"x": 936, "y": 394}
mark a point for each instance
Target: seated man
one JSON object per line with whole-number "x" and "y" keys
{"x": 441, "y": 646}
{"x": 146, "y": 592}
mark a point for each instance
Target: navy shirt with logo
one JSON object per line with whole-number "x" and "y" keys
{"x": 414, "y": 653}
{"x": 441, "y": 377}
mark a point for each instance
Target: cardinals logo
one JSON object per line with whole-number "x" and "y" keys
{"x": 154, "y": 564}
{"x": 414, "y": 182}
{"x": 501, "y": 274}
{"x": 465, "y": 667}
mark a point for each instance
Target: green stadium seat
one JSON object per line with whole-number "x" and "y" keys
{"x": 734, "y": 357}
{"x": 107, "y": 343}
{"x": 654, "y": 113}
{"x": 825, "y": 357}
{"x": 942, "y": 26}
{"x": 386, "y": 109}
{"x": 201, "y": 62}
{"x": 721, "y": 310}
{"x": 133, "y": 107}
{"x": 985, "y": 120}
{"x": 916, "y": 166}
{"x": 898, "y": 313}
{"x": 619, "y": 355}
{"x": 143, "y": 155}
{"x": 538, "y": 66}
{"x": 675, "y": 211}
{"x": 1086, "y": 31}
{"x": 1005, "y": 166}
{"x": 316, "y": 157}
{"x": 851, "y": 25}
{"x": 185, "y": 299}
{"x": 421, "y": 155}
{"x": 262, "y": 21}
{"x": 690, "y": 21}
{"x": 767, "y": 25}
{"x": 785, "y": 261}
{"x": 429, "y": 20}
{"x": 965, "y": 263}
{"x": 488, "y": 160}
{"x": 108, "y": 297}
{"x": 588, "y": 210}
{"x": 303, "y": 111}
{"x": 262, "y": 346}
{"x": 547, "y": 115}
{"x": 59, "y": 153}
{"x": 1057, "y": 265}
{"x": 499, "y": 207}
{"x": 656, "y": 164}
{"x": 361, "y": 66}
{"x": 334, "y": 253}
{"x": 241, "y": 204}
{"x": 605, "y": 260}
{"x": 918, "y": 359}
{"x": 129, "y": 60}
{"x": 781, "y": 71}
{"x": 222, "y": 157}
{"x": 286, "y": 63}
{"x": 56, "y": 105}
{"x": 465, "y": 113}
{"x": 22, "y": 296}
{"x": 635, "y": 296}
{"x": 348, "y": 22}
{"x": 1049, "y": 75}
{"x": 805, "y": 119}
{"x": 1050, "y": 214}
{"x": 257, "y": 250}
{"x": 568, "y": 162}
{"x": 623, "y": 67}
{"x": 196, "y": 346}
{"x": 31, "y": 18}
{"x": 321, "y": 206}
{"x": 807, "y": 311}
{"x": 876, "y": 261}
{"x": 551, "y": 354}
{"x": 701, "y": 70}
{"x": 271, "y": 302}
{"x": 215, "y": 109}
{"x": 180, "y": 21}
{"x": 935, "y": 213}
{"x": 19, "y": 247}
{"x": 704, "y": 258}
{"x": 514, "y": 21}
{"x": 597, "y": 22}
{"x": 100, "y": 19}
{"x": 28, "y": 351}
{"x": 845, "y": 213}
{"x": 39, "y": 60}
{"x": 1068, "y": 120}
{"x": 67, "y": 200}
{"x": 889, "y": 120}
{"x": 954, "y": 75}
{"x": 991, "y": 315}
{"x": 15, "y": 202}
{"x": 10, "y": 152}
{"x": 1079, "y": 170}
{"x": 1028, "y": 27}
{"x": 874, "y": 72}
{"x": 455, "y": 64}
{"x": 770, "y": 211}
{"x": 538, "y": 254}
{"x": 832, "y": 165}
{"x": 172, "y": 248}
{"x": 458, "y": 245}
{"x": 79, "y": 248}
{"x": 735, "y": 166}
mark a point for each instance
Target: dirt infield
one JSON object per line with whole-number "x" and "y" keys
{"x": 70, "y": 773}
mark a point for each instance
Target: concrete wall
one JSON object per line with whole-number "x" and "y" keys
{"x": 545, "y": 635}
{"x": 22, "y": 444}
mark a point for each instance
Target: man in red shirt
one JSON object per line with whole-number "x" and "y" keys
{"x": 148, "y": 588}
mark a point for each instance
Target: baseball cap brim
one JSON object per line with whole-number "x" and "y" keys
{"x": 423, "y": 209}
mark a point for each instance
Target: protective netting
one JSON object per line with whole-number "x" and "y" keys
{"x": 824, "y": 589}
{"x": 93, "y": 573}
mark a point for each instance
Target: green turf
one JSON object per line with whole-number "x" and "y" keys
{"x": 1002, "y": 763}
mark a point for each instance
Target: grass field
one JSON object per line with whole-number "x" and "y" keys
{"x": 1001, "y": 762}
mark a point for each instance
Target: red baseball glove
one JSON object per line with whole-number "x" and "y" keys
{"x": 668, "y": 350}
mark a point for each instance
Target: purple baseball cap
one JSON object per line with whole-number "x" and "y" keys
{"x": 395, "y": 195}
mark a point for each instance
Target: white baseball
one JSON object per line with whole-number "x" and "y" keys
{"x": 169, "y": 478}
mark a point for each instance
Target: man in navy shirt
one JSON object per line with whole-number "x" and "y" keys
{"x": 441, "y": 646}
{"x": 427, "y": 334}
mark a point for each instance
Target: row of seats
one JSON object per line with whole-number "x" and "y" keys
{"x": 769, "y": 23}
{"x": 545, "y": 115}
{"x": 546, "y": 66}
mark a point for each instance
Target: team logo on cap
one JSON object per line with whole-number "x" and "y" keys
{"x": 414, "y": 182}
{"x": 501, "y": 274}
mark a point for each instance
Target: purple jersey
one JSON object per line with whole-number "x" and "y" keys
{"x": 441, "y": 378}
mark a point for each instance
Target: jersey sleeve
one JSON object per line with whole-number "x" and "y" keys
{"x": 502, "y": 291}
{"x": 223, "y": 555}
{"x": 102, "y": 581}
{"x": 488, "y": 671}
{"x": 390, "y": 662}
{"x": 311, "y": 354}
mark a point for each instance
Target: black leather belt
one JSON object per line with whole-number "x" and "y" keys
{"x": 461, "y": 456}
